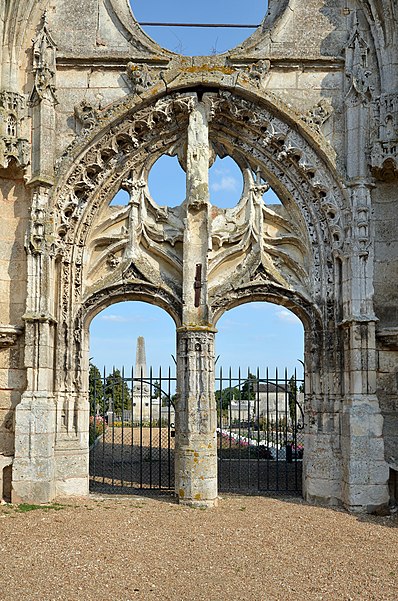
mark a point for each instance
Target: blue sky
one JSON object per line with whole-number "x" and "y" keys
{"x": 253, "y": 335}
{"x": 256, "y": 334}
{"x": 192, "y": 41}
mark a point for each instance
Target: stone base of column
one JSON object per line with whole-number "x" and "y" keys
{"x": 365, "y": 471}
{"x": 321, "y": 470}
{"x": 33, "y": 466}
{"x": 71, "y": 471}
{"x": 196, "y": 475}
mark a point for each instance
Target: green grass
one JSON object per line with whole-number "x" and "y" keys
{"x": 25, "y": 507}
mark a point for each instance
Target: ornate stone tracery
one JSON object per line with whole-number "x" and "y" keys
{"x": 314, "y": 254}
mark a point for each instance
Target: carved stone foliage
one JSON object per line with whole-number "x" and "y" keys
{"x": 318, "y": 115}
{"x": 44, "y": 65}
{"x": 384, "y": 155}
{"x": 13, "y": 142}
{"x": 137, "y": 242}
{"x": 254, "y": 242}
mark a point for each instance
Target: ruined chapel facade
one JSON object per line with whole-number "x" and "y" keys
{"x": 307, "y": 105}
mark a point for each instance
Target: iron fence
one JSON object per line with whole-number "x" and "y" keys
{"x": 260, "y": 424}
{"x": 132, "y": 432}
{"x": 260, "y": 432}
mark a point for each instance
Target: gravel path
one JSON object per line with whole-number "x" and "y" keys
{"x": 248, "y": 548}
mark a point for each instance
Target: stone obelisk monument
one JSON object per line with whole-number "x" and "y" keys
{"x": 141, "y": 389}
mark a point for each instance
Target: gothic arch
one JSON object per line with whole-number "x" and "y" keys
{"x": 268, "y": 145}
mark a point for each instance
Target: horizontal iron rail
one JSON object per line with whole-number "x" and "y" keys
{"x": 226, "y": 25}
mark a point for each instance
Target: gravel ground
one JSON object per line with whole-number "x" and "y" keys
{"x": 248, "y": 548}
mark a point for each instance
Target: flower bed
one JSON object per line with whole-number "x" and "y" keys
{"x": 97, "y": 428}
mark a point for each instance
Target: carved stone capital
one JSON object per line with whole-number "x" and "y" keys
{"x": 9, "y": 335}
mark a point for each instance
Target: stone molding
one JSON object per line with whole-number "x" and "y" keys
{"x": 388, "y": 338}
{"x": 9, "y": 335}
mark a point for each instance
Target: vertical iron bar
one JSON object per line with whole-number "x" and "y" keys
{"x": 132, "y": 429}
{"x": 122, "y": 449}
{"x": 239, "y": 430}
{"x": 267, "y": 425}
{"x": 294, "y": 438}
{"x": 230, "y": 432}
{"x": 258, "y": 427}
{"x": 150, "y": 427}
{"x": 168, "y": 431}
{"x": 287, "y": 403}
{"x": 248, "y": 428}
{"x": 104, "y": 437}
{"x": 141, "y": 433}
{"x": 276, "y": 428}
{"x": 159, "y": 396}
{"x": 113, "y": 428}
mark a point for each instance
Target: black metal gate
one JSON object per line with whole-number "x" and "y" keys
{"x": 131, "y": 432}
{"x": 259, "y": 433}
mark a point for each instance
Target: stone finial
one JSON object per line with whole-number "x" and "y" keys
{"x": 44, "y": 65}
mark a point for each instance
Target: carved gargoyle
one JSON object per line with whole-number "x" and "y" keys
{"x": 139, "y": 77}
{"x": 86, "y": 114}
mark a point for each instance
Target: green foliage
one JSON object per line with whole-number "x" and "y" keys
{"x": 225, "y": 396}
{"x": 96, "y": 390}
{"x": 25, "y": 507}
{"x": 156, "y": 390}
{"x": 293, "y": 390}
{"x": 248, "y": 388}
{"x": 117, "y": 394}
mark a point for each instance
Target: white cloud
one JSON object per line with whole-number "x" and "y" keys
{"x": 221, "y": 171}
{"x": 287, "y": 316}
{"x": 114, "y": 318}
{"x": 227, "y": 183}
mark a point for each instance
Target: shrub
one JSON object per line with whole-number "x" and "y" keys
{"x": 97, "y": 428}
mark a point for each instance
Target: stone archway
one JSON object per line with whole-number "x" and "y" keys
{"x": 196, "y": 261}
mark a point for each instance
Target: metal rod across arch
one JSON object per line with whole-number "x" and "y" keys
{"x": 226, "y": 25}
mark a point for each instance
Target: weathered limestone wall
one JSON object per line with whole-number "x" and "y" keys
{"x": 385, "y": 197}
{"x": 13, "y": 281}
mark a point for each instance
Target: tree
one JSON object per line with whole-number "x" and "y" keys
{"x": 156, "y": 391}
{"x": 95, "y": 390}
{"x": 117, "y": 393}
{"x": 225, "y": 396}
{"x": 293, "y": 398}
{"x": 248, "y": 388}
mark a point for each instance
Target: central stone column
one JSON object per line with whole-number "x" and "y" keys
{"x": 196, "y": 418}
